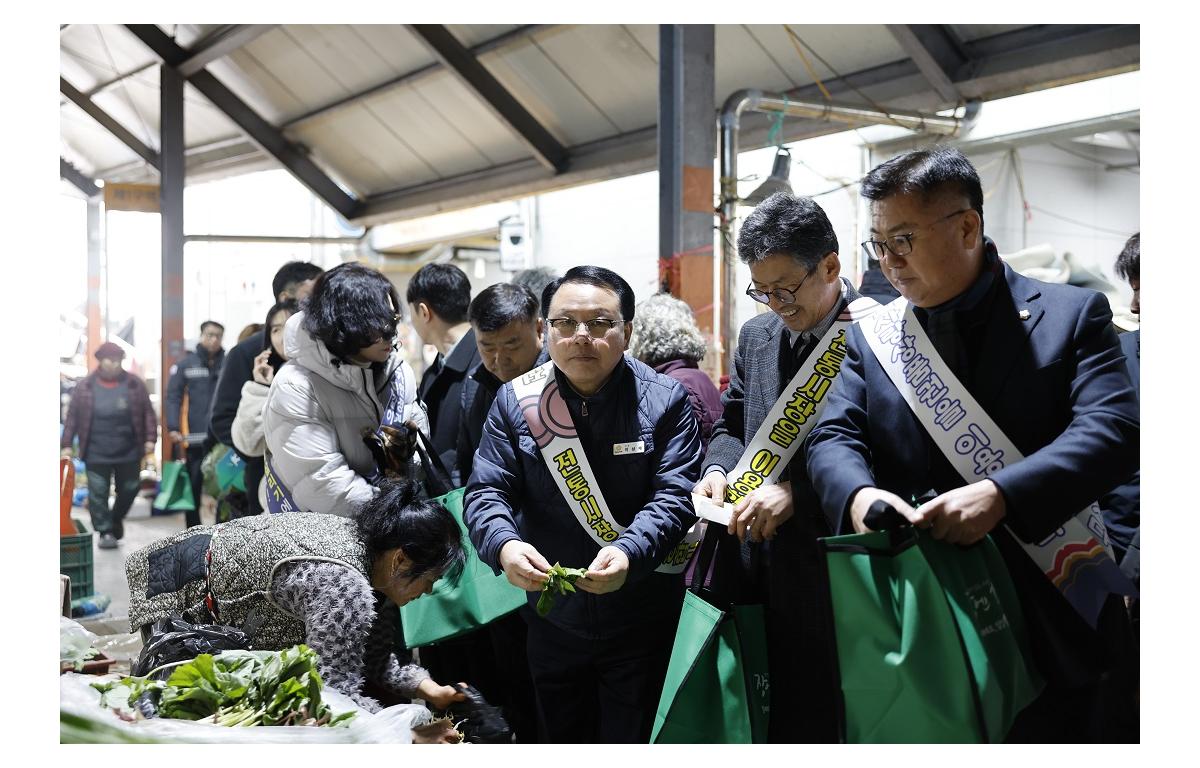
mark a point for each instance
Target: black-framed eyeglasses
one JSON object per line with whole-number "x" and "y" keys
{"x": 597, "y": 327}
{"x": 782, "y": 295}
{"x": 900, "y": 245}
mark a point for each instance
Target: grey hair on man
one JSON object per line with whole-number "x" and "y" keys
{"x": 664, "y": 329}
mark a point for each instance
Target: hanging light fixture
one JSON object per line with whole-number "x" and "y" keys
{"x": 776, "y": 182}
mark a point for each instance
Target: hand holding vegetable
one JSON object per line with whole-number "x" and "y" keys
{"x": 560, "y": 581}
{"x": 607, "y": 572}
{"x": 523, "y": 565}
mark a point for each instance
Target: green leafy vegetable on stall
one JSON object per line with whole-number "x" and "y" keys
{"x": 236, "y": 688}
{"x": 562, "y": 580}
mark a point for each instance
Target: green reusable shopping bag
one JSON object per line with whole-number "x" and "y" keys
{"x": 478, "y": 597}
{"x": 175, "y": 488}
{"x": 930, "y": 639}
{"x": 716, "y": 690}
{"x": 230, "y": 472}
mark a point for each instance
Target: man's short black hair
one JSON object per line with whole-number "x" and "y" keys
{"x": 444, "y": 288}
{"x": 599, "y": 277}
{"x": 784, "y": 223}
{"x": 292, "y": 274}
{"x": 926, "y": 173}
{"x": 207, "y": 323}
{"x": 1128, "y": 266}
{"x": 351, "y": 307}
{"x": 498, "y": 305}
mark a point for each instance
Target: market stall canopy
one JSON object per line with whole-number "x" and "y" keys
{"x": 387, "y": 122}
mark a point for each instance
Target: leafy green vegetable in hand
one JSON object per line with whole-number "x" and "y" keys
{"x": 562, "y": 580}
{"x": 239, "y": 688}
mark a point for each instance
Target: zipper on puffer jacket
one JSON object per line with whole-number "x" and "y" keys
{"x": 593, "y": 613}
{"x": 367, "y": 394}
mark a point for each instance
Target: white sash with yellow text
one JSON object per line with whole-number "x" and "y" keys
{"x": 797, "y": 409}
{"x": 554, "y": 431}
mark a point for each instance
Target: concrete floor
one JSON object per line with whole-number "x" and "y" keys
{"x": 141, "y": 528}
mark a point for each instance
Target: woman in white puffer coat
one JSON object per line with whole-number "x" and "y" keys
{"x": 344, "y": 377}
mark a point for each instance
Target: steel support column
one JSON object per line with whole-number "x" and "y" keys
{"x": 686, "y": 147}
{"x": 95, "y": 243}
{"x": 171, "y": 202}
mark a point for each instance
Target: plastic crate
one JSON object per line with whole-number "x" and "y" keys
{"x": 75, "y": 561}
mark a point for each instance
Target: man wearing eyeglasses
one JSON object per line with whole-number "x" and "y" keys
{"x": 1040, "y": 360}
{"x": 588, "y": 461}
{"x": 792, "y": 251}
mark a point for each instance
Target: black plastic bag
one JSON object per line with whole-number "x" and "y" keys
{"x": 482, "y": 722}
{"x": 173, "y": 639}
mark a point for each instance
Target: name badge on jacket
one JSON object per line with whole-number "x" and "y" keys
{"x": 621, "y": 449}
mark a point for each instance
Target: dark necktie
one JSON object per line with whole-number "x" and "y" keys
{"x": 946, "y": 336}
{"x": 793, "y": 357}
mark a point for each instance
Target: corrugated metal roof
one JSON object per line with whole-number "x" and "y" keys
{"x": 380, "y": 115}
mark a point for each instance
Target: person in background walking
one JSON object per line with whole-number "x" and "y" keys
{"x": 196, "y": 375}
{"x": 111, "y": 414}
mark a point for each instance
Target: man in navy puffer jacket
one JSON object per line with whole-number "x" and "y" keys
{"x": 599, "y": 657}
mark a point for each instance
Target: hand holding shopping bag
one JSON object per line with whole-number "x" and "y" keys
{"x": 717, "y": 689}
{"x": 930, "y": 637}
{"x": 175, "y": 488}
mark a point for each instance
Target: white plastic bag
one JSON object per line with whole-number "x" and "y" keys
{"x": 74, "y": 642}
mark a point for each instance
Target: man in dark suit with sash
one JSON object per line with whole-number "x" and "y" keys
{"x": 792, "y": 251}
{"x": 1044, "y": 363}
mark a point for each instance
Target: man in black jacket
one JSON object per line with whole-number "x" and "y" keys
{"x": 630, "y": 454}
{"x": 508, "y": 335}
{"x": 196, "y": 375}
{"x": 1043, "y": 362}
{"x": 293, "y": 281}
{"x": 438, "y": 296}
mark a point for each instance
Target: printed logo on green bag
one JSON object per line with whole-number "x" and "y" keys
{"x": 986, "y": 607}
{"x": 762, "y": 691}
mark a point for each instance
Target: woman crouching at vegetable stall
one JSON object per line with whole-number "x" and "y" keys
{"x": 327, "y": 581}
